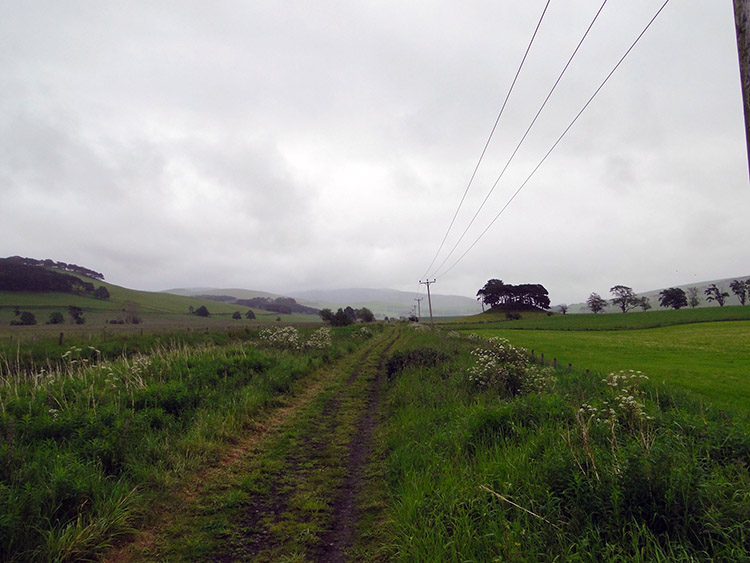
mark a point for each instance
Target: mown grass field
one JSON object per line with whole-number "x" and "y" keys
{"x": 676, "y": 348}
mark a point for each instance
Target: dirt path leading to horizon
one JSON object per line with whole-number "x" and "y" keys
{"x": 304, "y": 488}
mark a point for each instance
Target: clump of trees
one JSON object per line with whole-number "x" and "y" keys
{"x": 347, "y": 316}
{"x": 26, "y": 274}
{"x": 25, "y": 318}
{"x": 76, "y": 315}
{"x": 202, "y": 311}
{"x": 495, "y": 293}
{"x": 47, "y": 263}
{"x": 284, "y": 305}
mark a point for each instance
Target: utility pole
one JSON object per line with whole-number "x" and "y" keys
{"x": 742, "y": 24}
{"x": 419, "y": 307}
{"x": 429, "y": 299}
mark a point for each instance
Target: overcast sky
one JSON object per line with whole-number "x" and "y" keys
{"x": 290, "y": 145}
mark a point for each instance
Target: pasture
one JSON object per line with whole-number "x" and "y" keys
{"x": 675, "y": 348}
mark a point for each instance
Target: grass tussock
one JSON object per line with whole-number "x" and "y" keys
{"x": 492, "y": 458}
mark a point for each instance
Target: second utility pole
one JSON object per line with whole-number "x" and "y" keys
{"x": 429, "y": 300}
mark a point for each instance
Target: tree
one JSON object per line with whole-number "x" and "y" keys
{"x": 595, "y": 303}
{"x": 342, "y": 318}
{"x": 673, "y": 297}
{"x": 237, "y": 316}
{"x": 26, "y": 318}
{"x": 644, "y": 303}
{"x": 250, "y": 315}
{"x": 131, "y": 312}
{"x": 76, "y": 315}
{"x": 326, "y": 315}
{"x": 351, "y": 314}
{"x": 101, "y": 292}
{"x": 202, "y": 311}
{"x": 365, "y": 315}
{"x": 563, "y": 309}
{"x": 740, "y": 288}
{"x": 693, "y": 299}
{"x": 56, "y": 318}
{"x": 717, "y": 294}
{"x": 624, "y": 298}
{"x": 523, "y": 296}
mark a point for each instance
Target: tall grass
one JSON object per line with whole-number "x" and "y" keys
{"x": 579, "y": 468}
{"x": 87, "y": 443}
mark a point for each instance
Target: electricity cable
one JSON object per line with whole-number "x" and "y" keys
{"x": 492, "y": 132}
{"x": 559, "y": 139}
{"x": 523, "y": 138}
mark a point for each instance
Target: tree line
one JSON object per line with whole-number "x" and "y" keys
{"x": 347, "y": 316}
{"x": 47, "y": 263}
{"x": 16, "y": 276}
{"x": 674, "y": 297}
{"x": 495, "y": 293}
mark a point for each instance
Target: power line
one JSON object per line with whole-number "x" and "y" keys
{"x": 560, "y": 138}
{"x": 523, "y": 138}
{"x": 492, "y": 132}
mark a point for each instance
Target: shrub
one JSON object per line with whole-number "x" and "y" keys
{"x": 56, "y": 318}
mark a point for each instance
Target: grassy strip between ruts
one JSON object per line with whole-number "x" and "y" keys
{"x": 87, "y": 447}
{"x": 279, "y": 501}
{"x": 493, "y": 458}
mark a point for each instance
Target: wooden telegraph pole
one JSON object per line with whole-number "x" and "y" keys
{"x": 429, "y": 299}
{"x": 741, "y": 22}
{"x": 419, "y": 307}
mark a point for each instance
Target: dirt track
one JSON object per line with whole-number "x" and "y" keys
{"x": 300, "y": 487}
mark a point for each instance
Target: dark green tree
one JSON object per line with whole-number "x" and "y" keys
{"x": 644, "y": 303}
{"x": 250, "y": 315}
{"x": 56, "y": 318}
{"x": 101, "y": 292}
{"x": 76, "y": 315}
{"x": 237, "y": 316}
{"x": 740, "y": 288}
{"x": 365, "y": 315}
{"x": 692, "y": 295}
{"x": 624, "y": 298}
{"x": 202, "y": 311}
{"x": 596, "y": 303}
{"x": 326, "y": 315}
{"x": 673, "y": 297}
{"x": 342, "y": 318}
{"x": 717, "y": 294}
{"x": 25, "y": 318}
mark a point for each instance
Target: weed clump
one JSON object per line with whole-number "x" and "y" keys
{"x": 416, "y": 358}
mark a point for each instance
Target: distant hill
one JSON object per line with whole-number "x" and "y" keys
{"x": 653, "y": 296}
{"x": 382, "y": 302}
{"x": 390, "y": 302}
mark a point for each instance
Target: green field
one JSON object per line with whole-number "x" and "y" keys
{"x": 680, "y": 348}
{"x": 159, "y": 312}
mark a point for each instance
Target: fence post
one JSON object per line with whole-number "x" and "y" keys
{"x": 59, "y": 342}
{"x": 570, "y": 367}
{"x": 542, "y": 356}
{"x": 554, "y": 363}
